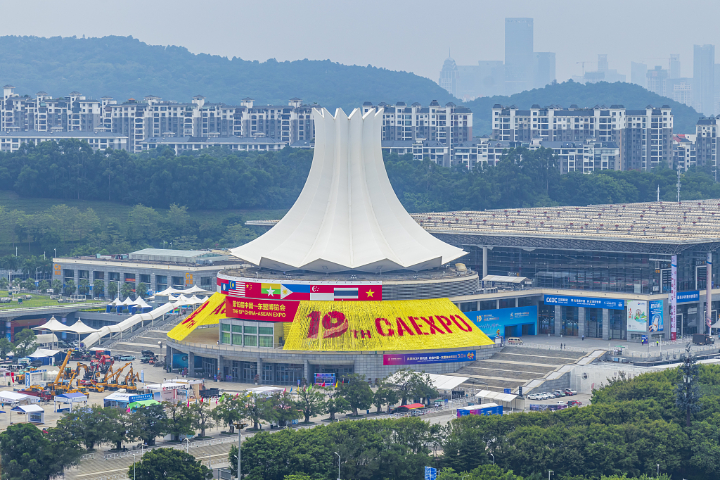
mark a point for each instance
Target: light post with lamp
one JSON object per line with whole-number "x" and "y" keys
{"x": 550, "y": 472}
{"x": 338, "y": 465}
{"x": 187, "y": 446}
{"x": 239, "y": 454}
{"x": 493, "y": 456}
{"x": 134, "y": 465}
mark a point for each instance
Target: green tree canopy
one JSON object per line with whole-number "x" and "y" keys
{"x": 169, "y": 463}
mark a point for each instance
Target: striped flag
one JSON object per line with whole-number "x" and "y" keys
{"x": 236, "y": 289}
{"x": 346, "y": 293}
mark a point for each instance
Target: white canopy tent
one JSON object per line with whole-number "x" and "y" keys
{"x": 46, "y": 338}
{"x": 194, "y": 300}
{"x": 168, "y": 291}
{"x": 505, "y": 399}
{"x": 53, "y": 325}
{"x": 196, "y": 289}
{"x": 80, "y": 328}
{"x": 14, "y": 398}
{"x": 141, "y": 303}
{"x": 41, "y": 353}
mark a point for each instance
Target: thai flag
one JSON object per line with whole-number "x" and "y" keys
{"x": 236, "y": 289}
{"x": 346, "y": 293}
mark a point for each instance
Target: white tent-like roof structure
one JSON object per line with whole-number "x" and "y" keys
{"x": 347, "y": 216}
{"x": 53, "y": 325}
{"x": 196, "y": 289}
{"x": 80, "y": 328}
{"x": 140, "y": 303}
{"x": 127, "y": 301}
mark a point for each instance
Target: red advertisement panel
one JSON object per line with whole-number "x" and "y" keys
{"x": 262, "y": 310}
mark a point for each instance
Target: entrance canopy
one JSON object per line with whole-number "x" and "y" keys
{"x": 53, "y": 325}
{"x": 80, "y": 328}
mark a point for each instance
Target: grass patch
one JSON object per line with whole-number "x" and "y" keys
{"x": 36, "y": 301}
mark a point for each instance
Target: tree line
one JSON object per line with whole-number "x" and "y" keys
{"x": 219, "y": 179}
{"x": 634, "y": 428}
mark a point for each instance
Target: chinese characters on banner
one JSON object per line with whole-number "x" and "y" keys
{"x": 262, "y": 310}
{"x": 673, "y": 298}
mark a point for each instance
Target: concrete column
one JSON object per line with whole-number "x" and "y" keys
{"x": 558, "y": 320}
{"x": 220, "y": 370}
{"x": 581, "y": 321}
{"x": 606, "y": 324}
{"x": 516, "y": 302}
{"x": 497, "y": 303}
{"x": 76, "y": 279}
{"x": 484, "y": 265}
{"x": 306, "y": 371}
{"x": 152, "y": 282}
{"x": 191, "y": 364}
{"x": 168, "y": 355}
{"x": 259, "y": 370}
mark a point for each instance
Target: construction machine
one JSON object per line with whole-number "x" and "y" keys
{"x": 131, "y": 380}
{"x": 58, "y": 386}
{"x": 111, "y": 378}
{"x": 87, "y": 382}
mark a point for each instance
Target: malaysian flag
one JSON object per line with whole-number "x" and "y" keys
{"x": 236, "y": 289}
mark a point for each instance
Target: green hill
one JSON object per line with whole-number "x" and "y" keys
{"x": 569, "y": 93}
{"x": 124, "y": 67}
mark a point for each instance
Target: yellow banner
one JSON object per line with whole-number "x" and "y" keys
{"x": 209, "y": 313}
{"x": 386, "y": 325}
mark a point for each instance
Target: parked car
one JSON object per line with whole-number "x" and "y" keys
{"x": 574, "y": 403}
{"x": 569, "y": 392}
{"x": 126, "y": 358}
{"x": 559, "y": 393}
{"x": 532, "y": 396}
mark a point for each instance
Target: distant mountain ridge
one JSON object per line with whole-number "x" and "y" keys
{"x": 568, "y": 93}
{"x": 125, "y": 67}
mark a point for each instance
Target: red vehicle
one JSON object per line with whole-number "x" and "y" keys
{"x": 574, "y": 403}
{"x": 37, "y": 393}
{"x": 101, "y": 363}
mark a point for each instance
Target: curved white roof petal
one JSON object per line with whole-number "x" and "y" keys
{"x": 347, "y": 216}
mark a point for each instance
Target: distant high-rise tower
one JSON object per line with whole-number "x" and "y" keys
{"x": 449, "y": 75}
{"x": 674, "y": 67}
{"x": 602, "y": 62}
{"x": 704, "y": 78}
{"x": 543, "y": 69}
{"x": 518, "y": 54}
{"x": 638, "y": 74}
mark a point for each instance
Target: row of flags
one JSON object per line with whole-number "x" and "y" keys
{"x": 294, "y": 291}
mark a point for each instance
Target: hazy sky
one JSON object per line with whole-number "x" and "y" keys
{"x": 399, "y": 35}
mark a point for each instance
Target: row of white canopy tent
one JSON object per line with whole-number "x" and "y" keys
{"x": 54, "y": 326}
{"x": 174, "y": 291}
{"x": 130, "y": 322}
{"x": 131, "y": 305}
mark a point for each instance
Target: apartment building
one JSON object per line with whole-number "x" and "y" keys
{"x": 706, "y": 134}
{"x": 684, "y": 151}
{"x": 643, "y": 136}
{"x": 448, "y": 125}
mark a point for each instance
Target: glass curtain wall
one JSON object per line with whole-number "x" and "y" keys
{"x": 593, "y": 322}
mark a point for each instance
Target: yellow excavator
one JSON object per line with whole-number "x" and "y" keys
{"x": 111, "y": 379}
{"x": 86, "y": 382}
{"x": 131, "y": 380}
{"x": 58, "y": 386}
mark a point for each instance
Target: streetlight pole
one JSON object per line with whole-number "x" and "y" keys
{"x": 134, "y": 466}
{"x": 493, "y": 458}
{"x": 239, "y": 454}
{"x": 657, "y": 475}
{"x": 187, "y": 446}
{"x": 550, "y": 472}
{"x": 338, "y": 465}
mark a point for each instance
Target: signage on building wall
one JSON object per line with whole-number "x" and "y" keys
{"x": 188, "y": 279}
{"x": 687, "y": 297}
{"x": 424, "y": 358}
{"x": 272, "y": 290}
{"x": 637, "y": 316}
{"x": 655, "y": 316}
{"x": 57, "y": 269}
{"x": 493, "y": 322}
{"x": 673, "y": 298}
{"x": 262, "y": 310}
{"x": 588, "y": 302}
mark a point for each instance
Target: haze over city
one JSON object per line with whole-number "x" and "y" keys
{"x": 404, "y": 35}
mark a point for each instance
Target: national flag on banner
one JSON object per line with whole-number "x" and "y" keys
{"x": 344, "y": 293}
{"x": 236, "y": 289}
{"x": 271, "y": 290}
{"x": 224, "y": 285}
{"x": 295, "y": 292}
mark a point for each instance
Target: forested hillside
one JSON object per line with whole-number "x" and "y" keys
{"x": 569, "y": 93}
{"x": 201, "y": 199}
{"x": 124, "y": 67}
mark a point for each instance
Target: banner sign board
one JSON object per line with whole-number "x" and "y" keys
{"x": 687, "y": 297}
{"x": 493, "y": 322}
{"x": 297, "y": 290}
{"x": 588, "y": 302}
{"x": 656, "y": 316}
{"x": 424, "y": 358}
{"x": 637, "y": 316}
{"x": 269, "y": 311}
{"x": 673, "y": 298}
